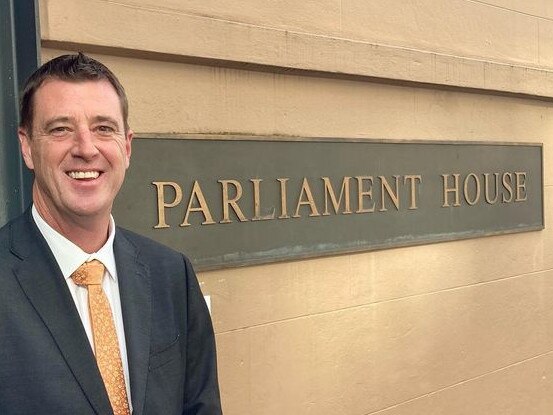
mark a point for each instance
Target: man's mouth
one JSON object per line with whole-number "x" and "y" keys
{"x": 80, "y": 175}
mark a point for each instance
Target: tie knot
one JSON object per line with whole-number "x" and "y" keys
{"x": 90, "y": 273}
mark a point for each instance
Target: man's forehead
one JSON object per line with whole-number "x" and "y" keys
{"x": 54, "y": 84}
{"x": 55, "y": 95}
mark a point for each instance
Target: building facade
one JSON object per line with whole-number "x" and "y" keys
{"x": 463, "y": 327}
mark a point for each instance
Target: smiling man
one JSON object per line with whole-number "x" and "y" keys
{"x": 94, "y": 319}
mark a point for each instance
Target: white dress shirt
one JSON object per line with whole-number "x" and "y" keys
{"x": 70, "y": 257}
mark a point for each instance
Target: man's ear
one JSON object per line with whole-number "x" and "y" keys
{"x": 128, "y": 141}
{"x": 25, "y": 144}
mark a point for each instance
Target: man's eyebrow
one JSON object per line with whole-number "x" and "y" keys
{"x": 105, "y": 118}
{"x": 55, "y": 120}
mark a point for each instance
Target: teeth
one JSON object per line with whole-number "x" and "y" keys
{"x": 83, "y": 174}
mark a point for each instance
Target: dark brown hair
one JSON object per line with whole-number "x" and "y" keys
{"x": 71, "y": 68}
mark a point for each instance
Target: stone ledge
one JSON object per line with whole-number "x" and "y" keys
{"x": 122, "y": 30}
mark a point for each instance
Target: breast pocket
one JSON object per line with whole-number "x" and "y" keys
{"x": 165, "y": 354}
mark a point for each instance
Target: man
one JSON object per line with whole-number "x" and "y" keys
{"x": 94, "y": 319}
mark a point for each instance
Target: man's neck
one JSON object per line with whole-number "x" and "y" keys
{"x": 88, "y": 233}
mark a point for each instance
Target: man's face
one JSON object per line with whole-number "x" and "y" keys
{"x": 78, "y": 150}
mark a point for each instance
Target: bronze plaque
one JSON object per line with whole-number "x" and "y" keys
{"x": 231, "y": 202}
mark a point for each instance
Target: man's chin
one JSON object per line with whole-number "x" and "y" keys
{"x": 89, "y": 210}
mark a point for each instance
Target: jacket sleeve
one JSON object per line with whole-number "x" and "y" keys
{"x": 201, "y": 389}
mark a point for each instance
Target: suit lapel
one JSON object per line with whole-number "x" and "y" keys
{"x": 42, "y": 281}
{"x": 135, "y": 291}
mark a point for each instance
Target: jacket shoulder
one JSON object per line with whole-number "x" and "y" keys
{"x": 148, "y": 248}
{"x": 19, "y": 224}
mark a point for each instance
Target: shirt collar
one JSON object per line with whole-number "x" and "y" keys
{"x": 69, "y": 256}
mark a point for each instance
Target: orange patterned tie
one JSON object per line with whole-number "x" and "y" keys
{"x": 106, "y": 346}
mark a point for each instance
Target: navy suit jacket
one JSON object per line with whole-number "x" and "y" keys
{"x": 46, "y": 363}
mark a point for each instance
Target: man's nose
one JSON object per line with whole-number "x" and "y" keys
{"x": 84, "y": 145}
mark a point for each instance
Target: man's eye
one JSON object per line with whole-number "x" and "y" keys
{"x": 105, "y": 130}
{"x": 59, "y": 131}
